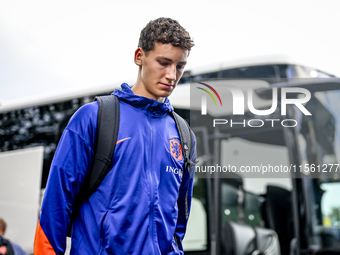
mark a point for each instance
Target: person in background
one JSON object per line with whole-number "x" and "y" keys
{"x": 7, "y": 247}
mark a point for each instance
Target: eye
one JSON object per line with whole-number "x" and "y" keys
{"x": 180, "y": 67}
{"x": 163, "y": 63}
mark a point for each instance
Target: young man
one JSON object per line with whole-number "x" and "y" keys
{"x": 139, "y": 207}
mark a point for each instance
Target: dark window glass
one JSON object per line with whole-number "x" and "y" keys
{"x": 250, "y": 72}
{"x": 206, "y": 76}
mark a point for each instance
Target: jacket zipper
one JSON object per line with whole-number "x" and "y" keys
{"x": 176, "y": 242}
{"x": 186, "y": 202}
{"x": 152, "y": 198}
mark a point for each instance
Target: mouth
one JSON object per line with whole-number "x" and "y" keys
{"x": 167, "y": 85}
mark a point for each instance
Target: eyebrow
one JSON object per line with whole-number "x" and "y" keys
{"x": 170, "y": 60}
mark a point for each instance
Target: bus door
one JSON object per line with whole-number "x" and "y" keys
{"x": 249, "y": 185}
{"x": 259, "y": 158}
{"x": 315, "y": 153}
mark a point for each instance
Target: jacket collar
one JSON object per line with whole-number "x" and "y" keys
{"x": 146, "y": 104}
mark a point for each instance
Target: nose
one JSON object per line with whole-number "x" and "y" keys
{"x": 171, "y": 73}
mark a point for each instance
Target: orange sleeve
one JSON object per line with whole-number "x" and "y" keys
{"x": 41, "y": 244}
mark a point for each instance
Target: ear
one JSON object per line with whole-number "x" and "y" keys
{"x": 139, "y": 54}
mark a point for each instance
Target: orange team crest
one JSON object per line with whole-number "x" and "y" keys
{"x": 176, "y": 149}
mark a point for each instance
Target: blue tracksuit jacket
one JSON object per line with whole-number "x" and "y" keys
{"x": 141, "y": 206}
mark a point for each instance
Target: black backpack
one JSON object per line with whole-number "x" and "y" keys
{"x": 5, "y": 247}
{"x": 108, "y": 117}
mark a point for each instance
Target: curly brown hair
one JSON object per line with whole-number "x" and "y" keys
{"x": 164, "y": 30}
{"x": 3, "y": 225}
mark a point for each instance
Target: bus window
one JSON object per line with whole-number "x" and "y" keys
{"x": 205, "y": 76}
{"x": 251, "y": 72}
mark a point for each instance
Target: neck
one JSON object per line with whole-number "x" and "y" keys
{"x": 139, "y": 90}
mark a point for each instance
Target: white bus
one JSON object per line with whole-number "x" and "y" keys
{"x": 299, "y": 211}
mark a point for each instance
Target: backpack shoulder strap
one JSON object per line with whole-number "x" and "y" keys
{"x": 107, "y": 133}
{"x": 106, "y": 139}
{"x": 185, "y": 135}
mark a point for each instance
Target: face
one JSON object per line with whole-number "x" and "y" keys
{"x": 159, "y": 70}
